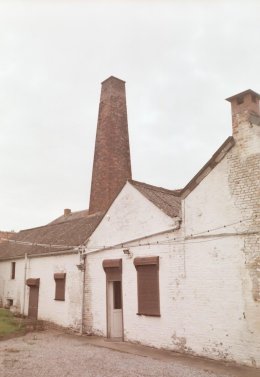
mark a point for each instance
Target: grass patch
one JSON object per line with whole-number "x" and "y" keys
{"x": 8, "y": 323}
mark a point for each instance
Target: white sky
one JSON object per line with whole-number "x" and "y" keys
{"x": 180, "y": 60}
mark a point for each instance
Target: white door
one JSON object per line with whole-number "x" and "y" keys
{"x": 115, "y": 317}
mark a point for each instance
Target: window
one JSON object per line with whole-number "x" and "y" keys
{"x": 148, "y": 285}
{"x": 13, "y": 270}
{"x": 117, "y": 295}
{"x": 9, "y": 302}
{"x": 60, "y": 279}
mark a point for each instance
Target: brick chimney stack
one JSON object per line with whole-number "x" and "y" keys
{"x": 112, "y": 164}
{"x": 244, "y": 107}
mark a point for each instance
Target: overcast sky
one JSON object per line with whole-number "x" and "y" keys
{"x": 180, "y": 60}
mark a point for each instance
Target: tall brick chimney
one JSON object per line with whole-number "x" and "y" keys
{"x": 112, "y": 164}
{"x": 244, "y": 108}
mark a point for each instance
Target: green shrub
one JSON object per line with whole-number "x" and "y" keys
{"x": 8, "y": 323}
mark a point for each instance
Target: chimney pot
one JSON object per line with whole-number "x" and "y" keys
{"x": 243, "y": 105}
{"x": 245, "y": 101}
{"x": 67, "y": 212}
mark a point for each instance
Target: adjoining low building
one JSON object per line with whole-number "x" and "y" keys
{"x": 173, "y": 269}
{"x": 40, "y": 273}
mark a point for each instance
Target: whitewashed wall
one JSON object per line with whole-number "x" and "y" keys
{"x": 154, "y": 331}
{"x": 64, "y": 313}
{"x": 209, "y": 287}
{"x": 222, "y": 286}
{"x": 132, "y": 216}
{"x": 12, "y": 288}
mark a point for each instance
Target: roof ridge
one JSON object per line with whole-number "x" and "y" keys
{"x": 71, "y": 214}
{"x": 175, "y": 192}
{"x": 61, "y": 222}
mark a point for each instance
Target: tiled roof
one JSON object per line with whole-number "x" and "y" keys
{"x": 168, "y": 201}
{"x": 71, "y": 216}
{"x": 6, "y": 235}
{"x": 68, "y": 233}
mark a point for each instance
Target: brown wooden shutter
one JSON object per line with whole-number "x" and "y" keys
{"x": 148, "y": 285}
{"x": 33, "y": 282}
{"x": 59, "y": 275}
{"x": 13, "y": 271}
{"x": 113, "y": 269}
{"x": 60, "y": 279}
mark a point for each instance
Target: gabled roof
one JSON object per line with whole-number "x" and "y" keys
{"x": 208, "y": 167}
{"x": 168, "y": 201}
{"x": 68, "y": 233}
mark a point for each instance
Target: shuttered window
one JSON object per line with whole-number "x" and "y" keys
{"x": 113, "y": 269}
{"x": 148, "y": 285}
{"x": 60, "y": 280}
{"x": 32, "y": 282}
{"x": 13, "y": 270}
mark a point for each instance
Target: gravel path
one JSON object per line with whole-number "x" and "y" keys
{"x": 53, "y": 354}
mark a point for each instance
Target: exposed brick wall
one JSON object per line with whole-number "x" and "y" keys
{"x": 112, "y": 165}
{"x": 87, "y": 312}
{"x": 230, "y": 281}
{"x": 244, "y": 183}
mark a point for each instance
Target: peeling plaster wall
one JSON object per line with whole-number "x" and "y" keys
{"x": 130, "y": 217}
{"x": 147, "y": 330}
{"x": 64, "y": 313}
{"x": 201, "y": 300}
{"x": 12, "y": 288}
{"x": 225, "y": 268}
{"x": 209, "y": 288}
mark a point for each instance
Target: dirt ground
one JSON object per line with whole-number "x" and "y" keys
{"x": 55, "y": 354}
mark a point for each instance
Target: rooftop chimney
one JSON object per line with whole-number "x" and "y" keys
{"x": 67, "y": 212}
{"x": 112, "y": 165}
{"x": 244, "y": 106}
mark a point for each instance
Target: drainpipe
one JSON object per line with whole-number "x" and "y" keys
{"x": 83, "y": 269}
{"x": 24, "y": 285}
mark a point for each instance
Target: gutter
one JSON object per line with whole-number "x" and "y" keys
{"x": 83, "y": 295}
{"x": 24, "y": 285}
{"x": 126, "y": 243}
{"x": 70, "y": 251}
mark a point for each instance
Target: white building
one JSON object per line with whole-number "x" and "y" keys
{"x": 39, "y": 272}
{"x": 173, "y": 269}
{"x": 207, "y": 296}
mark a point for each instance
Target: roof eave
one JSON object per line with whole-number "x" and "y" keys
{"x": 208, "y": 167}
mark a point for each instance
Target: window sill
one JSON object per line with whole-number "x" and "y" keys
{"x": 149, "y": 315}
{"x": 59, "y": 299}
